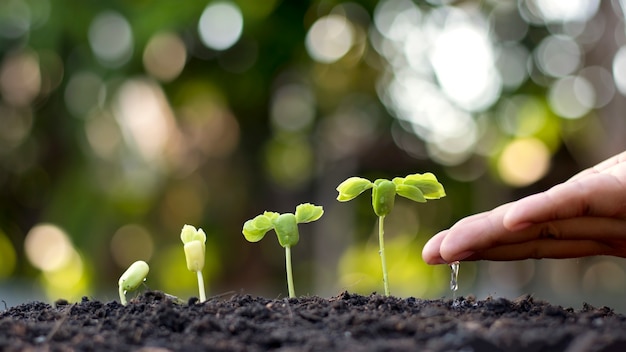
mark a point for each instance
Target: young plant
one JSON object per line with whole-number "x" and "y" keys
{"x": 194, "y": 241}
{"x": 132, "y": 278}
{"x": 416, "y": 187}
{"x": 286, "y": 228}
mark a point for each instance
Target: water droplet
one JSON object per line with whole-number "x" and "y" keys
{"x": 454, "y": 283}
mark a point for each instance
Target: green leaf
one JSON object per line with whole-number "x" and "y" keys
{"x": 411, "y": 192}
{"x": 427, "y": 183}
{"x": 383, "y": 196}
{"x": 308, "y": 212}
{"x": 352, "y": 187}
{"x": 255, "y": 229}
{"x": 398, "y": 180}
{"x": 271, "y": 215}
{"x": 286, "y": 228}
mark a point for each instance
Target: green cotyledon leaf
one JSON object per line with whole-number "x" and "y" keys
{"x": 411, "y": 192}
{"x": 308, "y": 212}
{"x": 352, "y": 187}
{"x": 255, "y": 229}
{"x": 383, "y": 196}
{"x": 427, "y": 183}
{"x": 286, "y": 228}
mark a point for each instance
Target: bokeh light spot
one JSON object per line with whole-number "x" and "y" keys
{"x": 111, "y": 39}
{"x": 619, "y": 69}
{"x": 511, "y": 63}
{"x": 396, "y": 19}
{"x": 70, "y": 281}
{"x": 523, "y": 161}
{"x": 165, "y": 56}
{"x": 84, "y": 91}
{"x": 507, "y": 23}
{"x": 103, "y": 134}
{"x": 220, "y": 25}
{"x": 605, "y": 275}
{"x": 463, "y": 60}
{"x": 292, "y": 107}
{"x": 130, "y": 243}
{"x": 567, "y": 10}
{"x": 558, "y": 55}
{"x": 48, "y": 247}
{"x": 15, "y": 18}
{"x": 145, "y": 117}
{"x": 521, "y": 115}
{"x": 207, "y": 126}
{"x": 602, "y": 82}
{"x": 289, "y": 161}
{"x": 330, "y": 38}
{"x": 20, "y": 78}
{"x": 571, "y": 97}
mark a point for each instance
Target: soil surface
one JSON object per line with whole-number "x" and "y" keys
{"x": 349, "y": 322}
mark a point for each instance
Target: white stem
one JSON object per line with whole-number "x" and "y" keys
{"x": 122, "y": 296}
{"x": 201, "y": 286}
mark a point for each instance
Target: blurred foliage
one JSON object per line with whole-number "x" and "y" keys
{"x": 122, "y": 121}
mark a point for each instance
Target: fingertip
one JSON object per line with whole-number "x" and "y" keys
{"x": 454, "y": 247}
{"x": 430, "y": 252}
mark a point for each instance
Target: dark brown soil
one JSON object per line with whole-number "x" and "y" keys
{"x": 348, "y": 322}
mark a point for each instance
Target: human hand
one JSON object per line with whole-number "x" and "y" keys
{"x": 584, "y": 216}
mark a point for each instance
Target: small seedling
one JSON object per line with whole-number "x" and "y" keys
{"x": 194, "y": 241}
{"x": 132, "y": 278}
{"x": 286, "y": 228}
{"x": 416, "y": 187}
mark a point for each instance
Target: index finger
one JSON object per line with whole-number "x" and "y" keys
{"x": 599, "y": 195}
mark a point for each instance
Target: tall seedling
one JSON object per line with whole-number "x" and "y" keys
{"x": 416, "y": 187}
{"x": 286, "y": 228}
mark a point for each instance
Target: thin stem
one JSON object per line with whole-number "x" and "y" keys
{"x": 292, "y": 291}
{"x": 201, "y": 286}
{"x": 122, "y": 296}
{"x": 381, "y": 251}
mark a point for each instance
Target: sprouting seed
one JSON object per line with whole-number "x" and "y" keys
{"x": 132, "y": 278}
{"x": 194, "y": 246}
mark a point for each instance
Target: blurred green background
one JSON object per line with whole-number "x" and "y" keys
{"x": 121, "y": 121}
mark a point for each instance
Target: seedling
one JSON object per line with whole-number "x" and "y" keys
{"x": 194, "y": 241}
{"x": 286, "y": 228}
{"x": 416, "y": 187}
{"x": 132, "y": 278}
